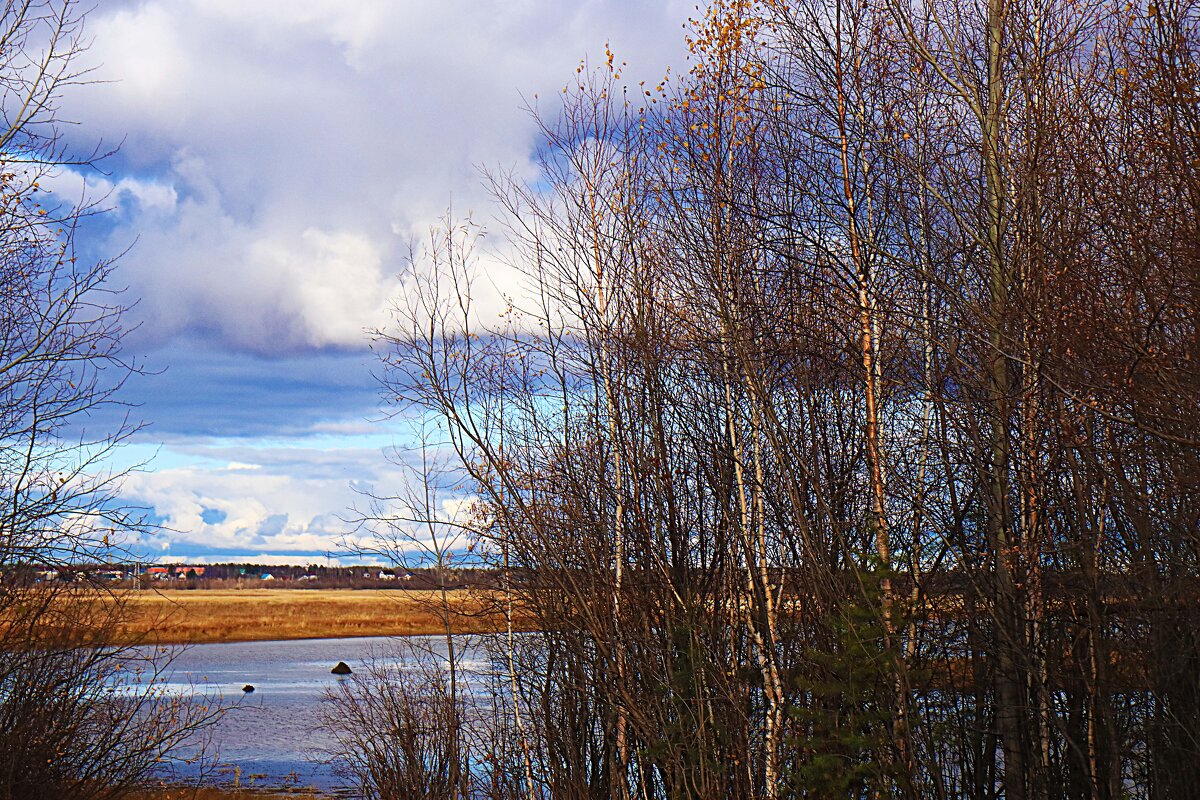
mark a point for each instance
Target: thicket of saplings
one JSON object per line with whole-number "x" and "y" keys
{"x": 848, "y": 418}
{"x": 80, "y": 718}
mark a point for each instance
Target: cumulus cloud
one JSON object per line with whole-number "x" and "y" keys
{"x": 279, "y": 155}
{"x": 297, "y": 498}
{"x": 275, "y": 507}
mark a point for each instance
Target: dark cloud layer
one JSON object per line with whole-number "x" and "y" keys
{"x": 194, "y": 390}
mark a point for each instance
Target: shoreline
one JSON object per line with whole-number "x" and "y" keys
{"x": 230, "y": 793}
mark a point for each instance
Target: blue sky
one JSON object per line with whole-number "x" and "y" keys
{"x": 277, "y": 159}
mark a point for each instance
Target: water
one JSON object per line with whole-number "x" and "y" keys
{"x": 272, "y": 737}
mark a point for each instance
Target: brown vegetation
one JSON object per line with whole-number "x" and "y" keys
{"x": 183, "y": 617}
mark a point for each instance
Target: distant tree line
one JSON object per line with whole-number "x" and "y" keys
{"x": 315, "y": 576}
{"x": 848, "y": 420}
{"x": 124, "y": 575}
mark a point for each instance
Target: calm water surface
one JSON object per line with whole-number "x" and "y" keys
{"x": 272, "y": 737}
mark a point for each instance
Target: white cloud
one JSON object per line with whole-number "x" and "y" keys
{"x": 269, "y": 559}
{"x": 249, "y": 505}
{"x": 151, "y": 196}
{"x": 272, "y": 149}
{"x": 295, "y": 496}
{"x": 334, "y": 280}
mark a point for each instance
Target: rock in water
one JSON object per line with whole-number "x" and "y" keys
{"x": 247, "y": 688}
{"x": 342, "y": 668}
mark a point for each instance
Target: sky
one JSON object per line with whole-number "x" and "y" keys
{"x": 276, "y": 160}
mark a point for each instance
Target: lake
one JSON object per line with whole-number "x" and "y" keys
{"x": 271, "y": 737}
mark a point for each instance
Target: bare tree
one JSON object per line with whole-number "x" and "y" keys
{"x": 81, "y": 718}
{"x": 429, "y": 525}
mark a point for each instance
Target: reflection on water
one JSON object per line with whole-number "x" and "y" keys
{"x": 272, "y": 737}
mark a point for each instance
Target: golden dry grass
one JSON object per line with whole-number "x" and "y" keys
{"x": 244, "y": 615}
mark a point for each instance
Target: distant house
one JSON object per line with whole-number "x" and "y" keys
{"x": 387, "y": 575}
{"x": 266, "y": 576}
{"x": 181, "y": 571}
{"x": 158, "y": 573}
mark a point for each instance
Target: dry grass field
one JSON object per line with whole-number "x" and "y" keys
{"x": 244, "y": 615}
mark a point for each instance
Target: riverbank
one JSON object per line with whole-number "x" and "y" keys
{"x": 190, "y": 793}
{"x": 227, "y": 794}
{"x": 250, "y": 615}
